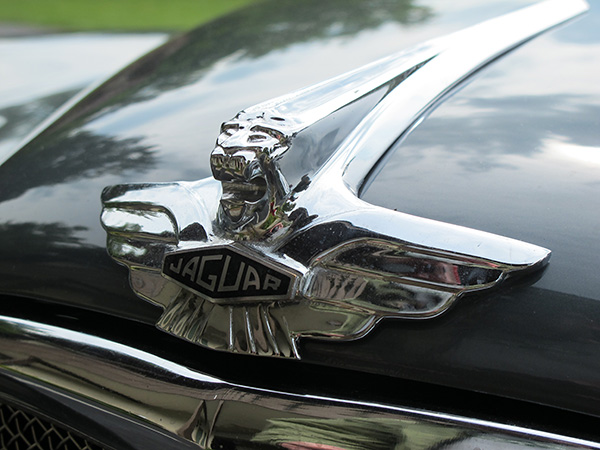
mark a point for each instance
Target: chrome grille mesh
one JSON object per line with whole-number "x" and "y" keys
{"x": 20, "y": 430}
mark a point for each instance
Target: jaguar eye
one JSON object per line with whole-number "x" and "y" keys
{"x": 229, "y": 129}
{"x": 257, "y": 138}
{"x": 227, "y": 132}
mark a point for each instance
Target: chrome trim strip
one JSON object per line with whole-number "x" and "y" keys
{"x": 209, "y": 412}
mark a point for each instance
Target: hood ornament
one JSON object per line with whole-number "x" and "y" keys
{"x": 254, "y": 190}
{"x": 278, "y": 246}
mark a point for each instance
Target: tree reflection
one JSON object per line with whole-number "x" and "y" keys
{"x": 54, "y": 261}
{"x": 255, "y": 31}
{"x": 248, "y": 33}
{"x": 37, "y": 255}
{"x": 22, "y": 119}
{"x": 62, "y": 157}
{"x": 26, "y": 238}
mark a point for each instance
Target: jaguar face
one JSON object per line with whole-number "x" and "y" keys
{"x": 244, "y": 160}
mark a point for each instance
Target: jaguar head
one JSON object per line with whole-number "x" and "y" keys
{"x": 255, "y": 192}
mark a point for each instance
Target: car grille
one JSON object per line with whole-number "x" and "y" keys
{"x": 20, "y": 430}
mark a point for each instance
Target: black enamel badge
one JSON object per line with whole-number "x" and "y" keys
{"x": 227, "y": 273}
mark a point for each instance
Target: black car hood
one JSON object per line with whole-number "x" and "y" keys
{"x": 515, "y": 153}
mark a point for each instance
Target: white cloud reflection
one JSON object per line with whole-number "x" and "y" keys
{"x": 561, "y": 149}
{"x": 37, "y": 66}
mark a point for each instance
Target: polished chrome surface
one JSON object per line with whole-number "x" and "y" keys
{"x": 257, "y": 197}
{"x": 357, "y": 263}
{"x": 214, "y": 414}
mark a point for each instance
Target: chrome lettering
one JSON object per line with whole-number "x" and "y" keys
{"x": 236, "y": 285}
{"x": 190, "y": 268}
{"x": 211, "y": 278}
{"x": 271, "y": 282}
{"x": 251, "y": 279}
{"x": 177, "y": 268}
{"x": 223, "y": 275}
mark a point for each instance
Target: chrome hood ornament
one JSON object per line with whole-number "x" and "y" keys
{"x": 263, "y": 253}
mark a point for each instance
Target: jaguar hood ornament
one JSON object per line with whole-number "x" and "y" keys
{"x": 254, "y": 189}
{"x": 277, "y": 245}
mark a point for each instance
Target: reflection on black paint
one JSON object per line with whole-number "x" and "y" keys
{"x": 24, "y": 239}
{"x": 22, "y": 119}
{"x": 255, "y": 31}
{"x": 65, "y": 158}
{"x": 52, "y": 261}
{"x": 493, "y": 163}
{"x": 249, "y": 33}
{"x": 39, "y": 253}
{"x": 481, "y": 143}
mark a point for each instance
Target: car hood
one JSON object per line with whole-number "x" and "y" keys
{"x": 514, "y": 153}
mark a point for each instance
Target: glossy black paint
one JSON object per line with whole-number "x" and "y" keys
{"x": 490, "y": 159}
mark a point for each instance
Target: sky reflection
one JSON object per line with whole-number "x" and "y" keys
{"x": 40, "y": 73}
